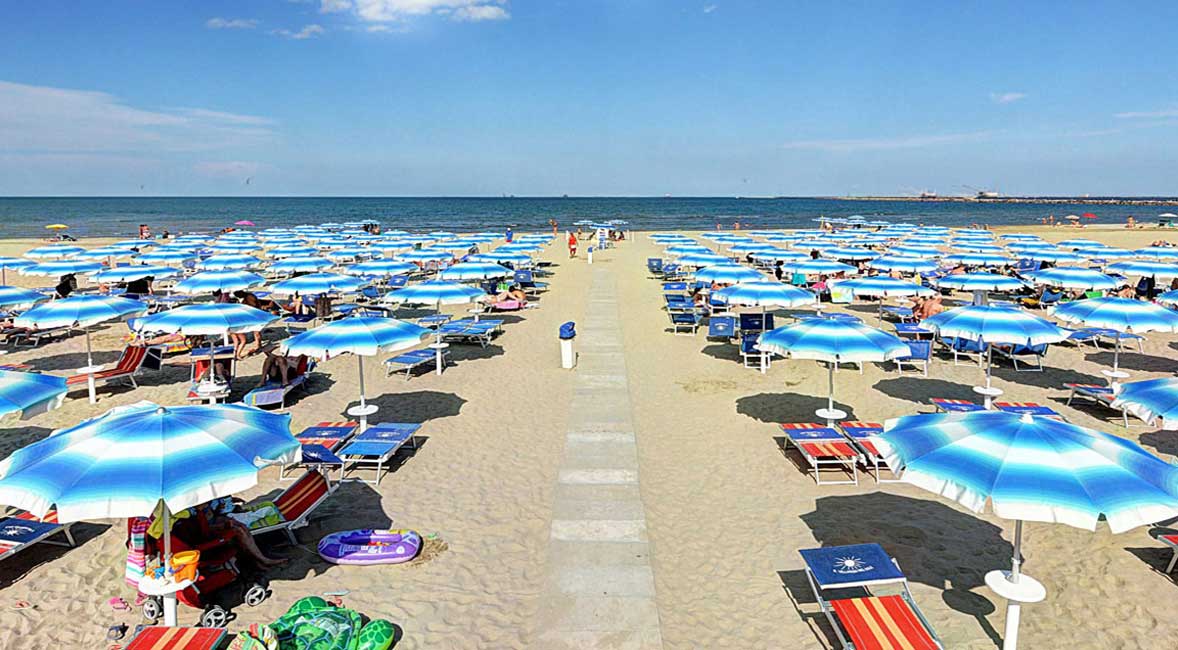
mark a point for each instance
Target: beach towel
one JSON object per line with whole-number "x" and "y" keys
{"x": 258, "y": 515}
{"x": 136, "y": 550}
{"x": 157, "y": 524}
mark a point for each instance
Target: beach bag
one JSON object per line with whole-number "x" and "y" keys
{"x": 257, "y": 637}
{"x": 259, "y": 515}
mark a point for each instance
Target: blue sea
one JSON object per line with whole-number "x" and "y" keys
{"x": 27, "y": 217}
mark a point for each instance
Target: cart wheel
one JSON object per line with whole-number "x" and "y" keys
{"x": 153, "y": 609}
{"x": 215, "y": 616}
{"x": 255, "y": 595}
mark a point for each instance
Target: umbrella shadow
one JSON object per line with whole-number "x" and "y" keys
{"x": 17, "y": 567}
{"x": 1157, "y": 557}
{"x": 1049, "y": 378}
{"x": 417, "y": 407}
{"x": 16, "y": 438}
{"x": 71, "y": 361}
{"x": 775, "y": 408}
{"x": 459, "y": 354}
{"x": 1163, "y": 442}
{"x": 934, "y": 544}
{"x": 920, "y": 389}
{"x": 723, "y": 351}
{"x": 1131, "y": 359}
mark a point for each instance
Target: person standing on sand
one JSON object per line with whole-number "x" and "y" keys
{"x": 572, "y": 245}
{"x": 555, "y": 225}
{"x": 509, "y": 236}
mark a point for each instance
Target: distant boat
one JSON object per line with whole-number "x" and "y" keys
{"x": 988, "y": 194}
{"x": 928, "y": 195}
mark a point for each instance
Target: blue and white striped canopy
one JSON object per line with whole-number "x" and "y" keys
{"x": 134, "y": 272}
{"x": 1168, "y": 298}
{"x": 853, "y": 254}
{"x": 123, "y": 463}
{"x": 349, "y": 253}
{"x": 225, "y": 281}
{"x": 53, "y": 252}
{"x": 104, "y": 253}
{"x": 500, "y": 257}
{"x": 884, "y": 286}
{"x": 79, "y": 311}
{"x": 166, "y": 255}
{"x": 18, "y": 298}
{"x": 317, "y": 283}
{"x": 365, "y": 336}
{"x": 475, "y": 271}
{"x": 819, "y": 267}
{"x": 750, "y": 247}
{"x": 205, "y": 319}
{"x": 1160, "y": 271}
{"x": 913, "y": 250}
{"x": 62, "y": 267}
{"x": 380, "y": 268}
{"x": 424, "y": 255}
{"x": 1070, "y": 277}
{"x": 764, "y": 294}
{"x": 779, "y": 254}
{"x": 981, "y": 282}
{"x": 728, "y": 274}
{"x": 1158, "y": 253}
{"x": 978, "y": 259}
{"x": 29, "y": 393}
{"x": 1104, "y": 253}
{"x": 228, "y": 262}
{"x": 683, "y": 249}
{"x": 702, "y": 259}
{"x": 1153, "y": 400}
{"x": 1120, "y": 314}
{"x": 14, "y": 263}
{"x": 435, "y": 292}
{"x": 300, "y": 250}
{"x": 1050, "y": 255}
{"x": 833, "y": 340}
{"x": 994, "y": 324}
{"x": 302, "y": 264}
{"x": 902, "y": 263}
{"x": 1032, "y": 469}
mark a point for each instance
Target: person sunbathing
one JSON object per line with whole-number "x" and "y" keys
{"x": 210, "y": 519}
{"x": 513, "y": 293}
{"x": 277, "y": 367}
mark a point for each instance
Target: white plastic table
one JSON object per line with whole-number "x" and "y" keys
{"x": 989, "y": 392}
{"x": 1026, "y": 590}
{"x": 831, "y": 415}
{"x": 363, "y": 412}
{"x": 166, "y": 588}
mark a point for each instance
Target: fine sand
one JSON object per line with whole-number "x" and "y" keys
{"x": 726, "y": 510}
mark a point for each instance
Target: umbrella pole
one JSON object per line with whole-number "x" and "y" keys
{"x": 169, "y": 598}
{"x": 360, "y": 358}
{"x": 89, "y": 369}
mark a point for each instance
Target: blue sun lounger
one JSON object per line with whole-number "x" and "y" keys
{"x": 377, "y": 446}
{"x": 1028, "y": 408}
{"x": 470, "y": 332}
{"x": 20, "y": 530}
{"x": 413, "y": 359}
{"x": 1099, "y": 394}
{"x": 320, "y": 444}
{"x": 956, "y": 405}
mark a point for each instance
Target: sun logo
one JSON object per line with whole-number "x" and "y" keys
{"x": 851, "y": 564}
{"x": 15, "y": 529}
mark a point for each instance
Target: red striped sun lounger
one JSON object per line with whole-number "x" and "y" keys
{"x": 882, "y": 623}
{"x": 1028, "y": 408}
{"x": 862, "y": 435}
{"x": 158, "y": 637}
{"x": 956, "y": 405}
{"x": 823, "y": 448}
{"x": 1097, "y": 393}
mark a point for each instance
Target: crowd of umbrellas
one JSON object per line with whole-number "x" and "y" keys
{"x": 1027, "y": 468}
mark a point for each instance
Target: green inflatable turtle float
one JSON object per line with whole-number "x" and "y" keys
{"x": 314, "y": 624}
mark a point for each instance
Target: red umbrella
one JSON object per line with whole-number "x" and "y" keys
{"x": 243, "y": 222}
{"x": 1089, "y": 215}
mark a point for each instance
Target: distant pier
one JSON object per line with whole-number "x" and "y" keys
{"x": 1035, "y": 200}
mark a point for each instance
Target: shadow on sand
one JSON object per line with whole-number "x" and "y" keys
{"x": 776, "y": 408}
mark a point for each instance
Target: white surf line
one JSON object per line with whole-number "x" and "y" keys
{"x": 600, "y": 587}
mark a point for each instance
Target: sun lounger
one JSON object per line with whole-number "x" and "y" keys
{"x": 470, "y": 331}
{"x": 722, "y": 327}
{"x": 1172, "y": 542}
{"x": 1099, "y": 394}
{"x": 863, "y": 434}
{"x": 823, "y": 448}
{"x": 685, "y": 322}
{"x": 526, "y": 280}
{"x": 130, "y": 364}
{"x": 1028, "y": 408}
{"x": 32, "y": 337}
{"x": 376, "y": 446}
{"x": 433, "y": 321}
{"x": 750, "y": 354}
{"x": 20, "y": 530}
{"x": 862, "y": 620}
{"x": 956, "y": 405}
{"x": 902, "y": 314}
{"x": 273, "y": 392}
{"x": 414, "y": 359}
{"x": 297, "y": 502}
{"x": 920, "y": 354}
{"x": 159, "y": 637}
{"x": 965, "y": 348}
{"x": 1014, "y": 352}
{"x": 325, "y": 436}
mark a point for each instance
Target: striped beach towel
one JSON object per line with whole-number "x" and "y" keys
{"x": 136, "y": 550}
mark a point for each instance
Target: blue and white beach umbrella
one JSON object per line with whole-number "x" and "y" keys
{"x": 53, "y": 252}
{"x": 1051, "y": 255}
{"x": 1104, "y": 253}
{"x": 977, "y": 259}
{"x": 779, "y": 254}
{"x": 834, "y": 341}
{"x": 1159, "y": 271}
{"x": 467, "y": 271}
{"x": 206, "y": 319}
{"x": 380, "y": 268}
{"x": 1154, "y": 400}
{"x": 224, "y": 281}
{"x": 361, "y": 336}
{"x": 683, "y": 249}
{"x": 1161, "y": 253}
{"x": 228, "y": 262}
{"x": 134, "y": 272}
{"x": 764, "y": 294}
{"x": 702, "y": 259}
{"x": 853, "y": 254}
{"x": 981, "y": 282}
{"x": 728, "y": 274}
{"x": 435, "y": 293}
{"x": 296, "y": 250}
{"x": 62, "y": 267}
{"x": 29, "y": 393}
{"x": 819, "y": 267}
{"x": 303, "y": 264}
{"x": 1031, "y": 469}
{"x": 913, "y": 250}
{"x": 167, "y": 256}
{"x": 317, "y": 283}
{"x": 1070, "y": 277}
{"x": 1119, "y": 314}
{"x": 902, "y": 263}
{"x": 501, "y": 257}
{"x": 425, "y": 255}
{"x": 104, "y": 253}
{"x": 883, "y": 286}
{"x": 12, "y": 263}
{"x": 19, "y": 298}
{"x": 1168, "y": 298}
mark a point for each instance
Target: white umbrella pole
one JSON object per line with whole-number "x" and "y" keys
{"x": 90, "y": 369}
{"x": 169, "y": 598}
{"x": 830, "y": 387}
{"x": 1014, "y": 607}
{"x": 1117, "y": 354}
{"x": 360, "y": 358}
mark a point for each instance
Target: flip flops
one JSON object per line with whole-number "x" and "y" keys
{"x": 116, "y": 632}
{"x": 118, "y": 604}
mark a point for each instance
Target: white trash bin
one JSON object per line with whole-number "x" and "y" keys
{"x": 568, "y": 356}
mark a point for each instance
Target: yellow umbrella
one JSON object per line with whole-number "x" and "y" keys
{"x": 57, "y": 226}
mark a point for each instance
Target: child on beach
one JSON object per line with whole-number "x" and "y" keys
{"x": 572, "y": 245}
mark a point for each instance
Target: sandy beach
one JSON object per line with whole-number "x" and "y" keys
{"x": 725, "y": 509}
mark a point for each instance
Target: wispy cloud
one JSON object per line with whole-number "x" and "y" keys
{"x": 479, "y": 13}
{"x": 43, "y": 119}
{"x": 231, "y": 23}
{"x": 334, "y": 6}
{"x": 1006, "y": 98}
{"x": 710, "y": 8}
{"x": 308, "y": 31}
{"x": 387, "y": 11}
{"x": 901, "y": 142}
{"x": 1148, "y": 115}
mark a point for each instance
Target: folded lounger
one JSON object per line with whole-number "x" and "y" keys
{"x": 159, "y": 637}
{"x": 862, "y": 620}
{"x": 414, "y": 359}
{"x": 1029, "y": 408}
{"x": 965, "y": 348}
{"x": 319, "y": 444}
{"x": 273, "y": 392}
{"x": 722, "y": 327}
{"x": 20, "y": 530}
{"x": 1099, "y": 394}
{"x": 956, "y": 405}
{"x": 683, "y": 322}
{"x": 1015, "y": 352}
{"x": 822, "y": 447}
{"x": 377, "y": 446}
{"x": 128, "y": 365}
{"x": 297, "y": 502}
{"x": 862, "y": 435}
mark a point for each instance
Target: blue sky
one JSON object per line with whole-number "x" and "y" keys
{"x": 605, "y": 97}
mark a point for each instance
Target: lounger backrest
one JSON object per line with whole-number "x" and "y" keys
{"x": 921, "y": 350}
{"x": 752, "y": 322}
{"x": 132, "y": 358}
{"x": 298, "y": 499}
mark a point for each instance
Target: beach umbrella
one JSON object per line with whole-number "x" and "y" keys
{"x": 167, "y": 255}
{"x": 80, "y": 312}
{"x": 882, "y": 286}
{"x": 380, "y": 268}
{"x": 970, "y": 246}
{"x": 702, "y": 259}
{"x": 1159, "y": 271}
{"x": 243, "y": 222}
{"x": 133, "y": 272}
{"x": 466, "y": 271}
{"x": 223, "y": 281}
{"x": 683, "y": 249}
{"x": 764, "y": 294}
{"x": 436, "y": 293}
{"x": 978, "y": 259}
{"x": 779, "y": 254}
{"x": 129, "y": 461}
{"x": 1151, "y": 400}
{"x": 104, "y": 253}
{"x": 361, "y": 336}
{"x": 1168, "y": 298}
{"x": 915, "y": 250}
{"x": 1104, "y": 253}
{"x": 853, "y": 254}
{"x": 834, "y": 341}
{"x": 1158, "y": 253}
{"x": 19, "y": 298}
{"x": 228, "y": 262}
{"x": 819, "y": 267}
{"x": 317, "y": 283}
{"x": 30, "y": 393}
{"x": 425, "y": 255}
{"x": 1019, "y": 236}
{"x": 727, "y": 274}
{"x": 993, "y": 324}
{"x": 53, "y": 252}
{"x": 12, "y": 263}
{"x": 62, "y": 267}
{"x": 501, "y": 257}
{"x": 1031, "y": 469}
{"x": 307, "y": 264}
{"x": 902, "y": 263}
{"x": 1075, "y": 278}
{"x": 235, "y": 247}
{"x": 1056, "y": 255}
{"x": 294, "y": 250}
{"x": 750, "y": 247}
{"x": 1119, "y": 314}
{"x": 980, "y": 283}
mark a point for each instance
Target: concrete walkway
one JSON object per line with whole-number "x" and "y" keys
{"x": 600, "y": 587}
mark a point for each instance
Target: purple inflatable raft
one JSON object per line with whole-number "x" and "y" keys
{"x": 370, "y": 546}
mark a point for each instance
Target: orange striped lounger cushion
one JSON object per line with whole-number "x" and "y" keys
{"x": 882, "y": 623}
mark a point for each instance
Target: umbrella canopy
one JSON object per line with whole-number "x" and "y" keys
{"x": 1120, "y": 314}
{"x": 995, "y": 324}
{"x": 424, "y": 255}
{"x": 475, "y": 271}
{"x": 978, "y": 259}
{"x": 853, "y": 254}
{"x": 1076, "y": 278}
{"x": 728, "y": 274}
{"x": 380, "y": 268}
{"x": 764, "y": 294}
{"x": 316, "y": 283}
{"x": 981, "y": 282}
{"x": 29, "y": 393}
{"x": 902, "y": 263}
{"x": 224, "y": 281}
{"x": 883, "y": 286}
{"x": 104, "y": 253}
{"x": 53, "y": 252}
{"x": 63, "y": 267}
{"x": 1158, "y": 253}
{"x": 1168, "y": 298}
{"x": 434, "y": 292}
{"x": 301, "y": 264}
{"x": 78, "y": 311}
{"x": 206, "y": 319}
{"x": 1154, "y": 400}
{"x": 819, "y": 267}
{"x": 123, "y": 463}
{"x": 228, "y": 262}
{"x": 166, "y": 255}
{"x": 17, "y": 298}
{"x": 502, "y": 257}
{"x": 1159, "y": 271}
{"x": 702, "y": 259}
{"x": 134, "y": 272}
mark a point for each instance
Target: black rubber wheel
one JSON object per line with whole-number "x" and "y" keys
{"x": 255, "y": 595}
{"x": 215, "y": 616}
{"x": 153, "y": 609}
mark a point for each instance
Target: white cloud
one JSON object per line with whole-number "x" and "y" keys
{"x": 1149, "y": 115}
{"x": 478, "y": 13}
{"x": 334, "y": 6}
{"x": 1006, "y": 98}
{"x": 383, "y": 11}
{"x": 903, "y": 142}
{"x": 308, "y": 31}
{"x": 42, "y": 119}
{"x": 710, "y": 8}
{"x": 231, "y": 23}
